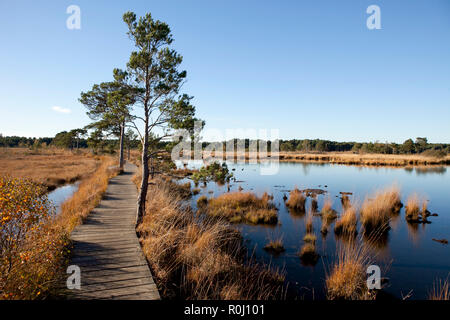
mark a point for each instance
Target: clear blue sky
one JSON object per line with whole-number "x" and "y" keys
{"x": 311, "y": 69}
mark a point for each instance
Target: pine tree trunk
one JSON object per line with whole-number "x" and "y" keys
{"x": 122, "y": 133}
{"x": 144, "y": 181}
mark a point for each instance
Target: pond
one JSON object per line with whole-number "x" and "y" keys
{"x": 410, "y": 259}
{"x": 61, "y": 194}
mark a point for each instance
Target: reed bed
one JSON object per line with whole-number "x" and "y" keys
{"x": 364, "y": 159}
{"x": 346, "y": 158}
{"x": 245, "y": 207}
{"x": 195, "y": 257}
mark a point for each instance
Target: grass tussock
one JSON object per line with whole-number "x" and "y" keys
{"x": 328, "y": 213}
{"x": 347, "y": 279}
{"x": 416, "y": 207}
{"x": 308, "y": 254}
{"x": 275, "y": 246}
{"x": 195, "y": 257}
{"x": 440, "y": 291}
{"x": 50, "y": 167}
{"x": 347, "y": 222}
{"x": 296, "y": 201}
{"x": 244, "y": 207}
{"x": 310, "y": 238}
{"x": 376, "y": 212}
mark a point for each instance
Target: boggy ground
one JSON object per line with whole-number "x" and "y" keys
{"x": 50, "y": 167}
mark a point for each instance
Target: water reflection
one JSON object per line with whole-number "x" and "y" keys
{"x": 407, "y": 245}
{"x": 61, "y": 194}
{"x": 430, "y": 170}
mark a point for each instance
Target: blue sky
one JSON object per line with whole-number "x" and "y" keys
{"x": 311, "y": 69}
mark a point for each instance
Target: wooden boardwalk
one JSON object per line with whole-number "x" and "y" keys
{"x": 107, "y": 249}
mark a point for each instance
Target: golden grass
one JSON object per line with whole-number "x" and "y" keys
{"x": 347, "y": 158}
{"x": 347, "y": 222}
{"x": 412, "y": 209}
{"x": 328, "y": 214}
{"x": 347, "y": 279}
{"x": 308, "y": 254}
{"x": 195, "y": 257}
{"x": 44, "y": 254}
{"x": 376, "y": 211}
{"x": 415, "y": 207}
{"x": 88, "y": 196}
{"x": 309, "y": 222}
{"x": 310, "y": 237}
{"x": 296, "y": 200}
{"x": 324, "y": 227}
{"x": 275, "y": 246}
{"x": 245, "y": 207}
{"x": 440, "y": 291}
{"x": 345, "y": 201}
{"x": 50, "y": 167}
{"x": 364, "y": 159}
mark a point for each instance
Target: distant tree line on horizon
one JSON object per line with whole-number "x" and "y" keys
{"x": 419, "y": 145}
{"x": 97, "y": 142}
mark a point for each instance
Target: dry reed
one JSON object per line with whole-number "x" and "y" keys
{"x": 245, "y": 207}
{"x": 195, "y": 257}
{"x": 296, "y": 200}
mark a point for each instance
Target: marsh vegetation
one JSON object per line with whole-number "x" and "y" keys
{"x": 363, "y": 224}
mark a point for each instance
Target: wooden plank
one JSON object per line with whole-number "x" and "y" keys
{"x": 107, "y": 250}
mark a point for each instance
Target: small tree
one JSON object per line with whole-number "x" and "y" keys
{"x": 130, "y": 141}
{"x": 109, "y": 105}
{"x": 408, "y": 146}
{"x": 157, "y": 81}
{"x": 63, "y": 139}
{"x": 77, "y": 135}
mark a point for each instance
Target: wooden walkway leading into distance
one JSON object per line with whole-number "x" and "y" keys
{"x": 107, "y": 249}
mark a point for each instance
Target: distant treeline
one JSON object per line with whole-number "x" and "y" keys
{"x": 74, "y": 139}
{"x": 419, "y": 145}
{"x": 78, "y": 138}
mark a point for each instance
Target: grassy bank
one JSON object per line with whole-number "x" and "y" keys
{"x": 33, "y": 265}
{"x": 348, "y": 158}
{"x": 194, "y": 257}
{"x": 50, "y": 167}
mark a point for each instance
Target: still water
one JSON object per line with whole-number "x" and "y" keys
{"x": 410, "y": 259}
{"x": 61, "y": 194}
